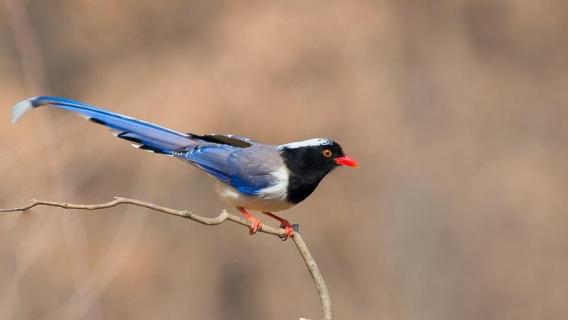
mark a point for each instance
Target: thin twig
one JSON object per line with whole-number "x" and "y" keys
{"x": 321, "y": 286}
{"x": 222, "y": 217}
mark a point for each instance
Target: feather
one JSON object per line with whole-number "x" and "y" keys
{"x": 229, "y": 139}
{"x": 144, "y": 135}
{"x": 21, "y": 108}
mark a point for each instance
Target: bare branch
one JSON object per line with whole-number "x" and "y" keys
{"x": 222, "y": 217}
{"x": 321, "y": 286}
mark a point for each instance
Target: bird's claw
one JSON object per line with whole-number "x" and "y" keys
{"x": 288, "y": 231}
{"x": 255, "y": 225}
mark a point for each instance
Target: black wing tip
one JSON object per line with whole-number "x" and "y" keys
{"x": 223, "y": 139}
{"x": 97, "y": 121}
{"x": 123, "y": 135}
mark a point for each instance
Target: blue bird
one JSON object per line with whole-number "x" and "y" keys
{"x": 251, "y": 175}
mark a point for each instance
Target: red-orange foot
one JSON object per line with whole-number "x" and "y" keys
{"x": 284, "y": 224}
{"x": 288, "y": 229}
{"x": 255, "y": 224}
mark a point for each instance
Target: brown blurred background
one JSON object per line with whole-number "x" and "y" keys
{"x": 456, "y": 110}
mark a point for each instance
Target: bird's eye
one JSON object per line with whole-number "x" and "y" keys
{"x": 327, "y": 153}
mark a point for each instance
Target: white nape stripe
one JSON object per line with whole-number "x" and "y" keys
{"x": 307, "y": 143}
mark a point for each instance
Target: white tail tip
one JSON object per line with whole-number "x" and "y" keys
{"x": 21, "y": 108}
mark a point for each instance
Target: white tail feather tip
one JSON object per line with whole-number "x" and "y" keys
{"x": 21, "y": 108}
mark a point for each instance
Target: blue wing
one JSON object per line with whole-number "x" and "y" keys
{"x": 144, "y": 134}
{"x": 211, "y": 158}
{"x": 248, "y": 170}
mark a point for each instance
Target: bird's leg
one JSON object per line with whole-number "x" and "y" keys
{"x": 255, "y": 223}
{"x": 288, "y": 228}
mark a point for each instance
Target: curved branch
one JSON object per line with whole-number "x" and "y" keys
{"x": 222, "y": 217}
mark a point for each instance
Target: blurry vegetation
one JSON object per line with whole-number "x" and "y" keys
{"x": 456, "y": 110}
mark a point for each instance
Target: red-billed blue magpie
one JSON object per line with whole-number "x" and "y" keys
{"x": 251, "y": 175}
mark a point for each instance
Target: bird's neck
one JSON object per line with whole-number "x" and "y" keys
{"x": 300, "y": 187}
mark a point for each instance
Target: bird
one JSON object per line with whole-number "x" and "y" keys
{"x": 250, "y": 175}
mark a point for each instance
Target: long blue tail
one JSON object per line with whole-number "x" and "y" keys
{"x": 142, "y": 134}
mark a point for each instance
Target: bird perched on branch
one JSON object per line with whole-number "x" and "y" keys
{"x": 251, "y": 175}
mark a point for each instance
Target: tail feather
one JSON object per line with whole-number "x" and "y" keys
{"x": 21, "y": 108}
{"x": 142, "y": 134}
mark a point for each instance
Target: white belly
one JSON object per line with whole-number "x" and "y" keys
{"x": 269, "y": 203}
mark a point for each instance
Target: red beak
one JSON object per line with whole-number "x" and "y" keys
{"x": 347, "y": 161}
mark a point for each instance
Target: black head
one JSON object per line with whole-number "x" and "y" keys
{"x": 309, "y": 162}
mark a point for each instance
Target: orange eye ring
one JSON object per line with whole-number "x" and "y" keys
{"x": 327, "y": 153}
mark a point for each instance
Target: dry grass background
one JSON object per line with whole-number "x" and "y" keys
{"x": 457, "y": 111}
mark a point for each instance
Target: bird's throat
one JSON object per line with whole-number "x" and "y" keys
{"x": 299, "y": 188}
